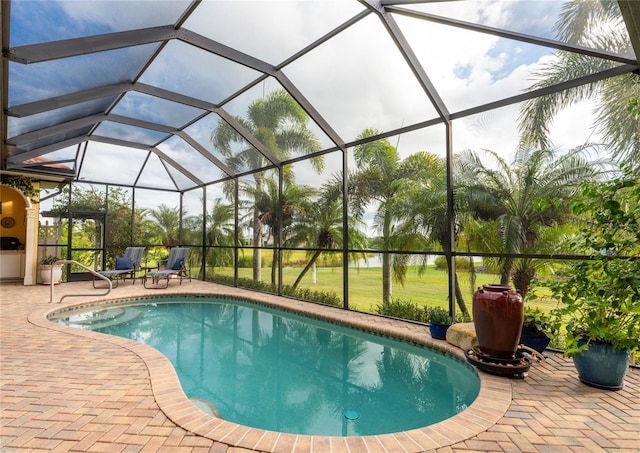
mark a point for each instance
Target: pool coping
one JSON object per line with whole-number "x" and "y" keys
{"x": 491, "y": 404}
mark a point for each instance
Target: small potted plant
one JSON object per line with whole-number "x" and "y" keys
{"x": 538, "y": 328}
{"x": 600, "y": 297}
{"x": 439, "y": 322}
{"x": 47, "y": 276}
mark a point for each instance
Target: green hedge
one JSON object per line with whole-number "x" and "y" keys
{"x": 327, "y": 298}
{"x": 405, "y": 309}
{"x": 462, "y": 263}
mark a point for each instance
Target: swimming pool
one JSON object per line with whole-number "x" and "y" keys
{"x": 279, "y": 371}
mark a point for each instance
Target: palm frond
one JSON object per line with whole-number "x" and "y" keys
{"x": 512, "y": 233}
{"x": 536, "y": 114}
{"x": 595, "y": 24}
{"x": 620, "y": 129}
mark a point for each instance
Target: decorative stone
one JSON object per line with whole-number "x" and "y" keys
{"x": 462, "y": 335}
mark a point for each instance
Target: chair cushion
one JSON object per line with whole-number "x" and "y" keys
{"x": 178, "y": 264}
{"x": 123, "y": 263}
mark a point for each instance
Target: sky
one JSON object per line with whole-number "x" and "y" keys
{"x": 356, "y": 80}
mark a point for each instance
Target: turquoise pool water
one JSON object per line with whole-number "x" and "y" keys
{"x": 283, "y": 372}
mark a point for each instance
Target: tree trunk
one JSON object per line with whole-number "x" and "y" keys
{"x": 472, "y": 270}
{"x": 274, "y": 266}
{"x": 522, "y": 276}
{"x": 386, "y": 262}
{"x": 458, "y": 292}
{"x": 257, "y": 234}
{"x": 257, "y": 243}
{"x": 386, "y": 278}
{"x": 505, "y": 271}
{"x": 460, "y": 298}
{"x": 313, "y": 259}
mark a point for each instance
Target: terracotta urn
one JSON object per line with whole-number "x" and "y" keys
{"x": 498, "y": 314}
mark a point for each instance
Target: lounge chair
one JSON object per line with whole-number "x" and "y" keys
{"x": 128, "y": 264}
{"x": 175, "y": 267}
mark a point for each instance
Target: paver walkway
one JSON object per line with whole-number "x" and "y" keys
{"x": 64, "y": 391}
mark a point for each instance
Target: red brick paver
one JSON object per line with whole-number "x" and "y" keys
{"x": 63, "y": 389}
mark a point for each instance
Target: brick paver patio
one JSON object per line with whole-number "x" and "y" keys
{"x": 64, "y": 389}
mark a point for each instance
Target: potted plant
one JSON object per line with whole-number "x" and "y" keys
{"x": 46, "y": 274}
{"x": 600, "y": 297}
{"x": 538, "y": 328}
{"x": 439, "y": 322}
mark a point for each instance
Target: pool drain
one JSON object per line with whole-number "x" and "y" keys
{"x": 351, "y": 414}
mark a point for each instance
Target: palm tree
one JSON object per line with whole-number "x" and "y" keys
{"x": 551, "y": 240}
{"x": 168, "y": 219}
{"x": 531, "y": 193}
{"x": 378, "y": 178}
{"x": 221, "y": 231}
{"x": 221, "y": 228}
{"x": 319, "y": 225}
{"x": 280, "y": 124}
{"x": 485, "y": 236}
{"x": 591, "y": 23}
{"x": 423, "y": 205}
{"x": 267, "y": 202}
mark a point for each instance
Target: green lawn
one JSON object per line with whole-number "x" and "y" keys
{"x": 365, "y": 285}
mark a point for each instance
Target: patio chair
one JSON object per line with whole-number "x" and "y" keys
{"x": 128, "y": 264}
{"x": 175, "y": 267}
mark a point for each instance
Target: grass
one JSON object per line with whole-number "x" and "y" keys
{"x": 365, "y": 285}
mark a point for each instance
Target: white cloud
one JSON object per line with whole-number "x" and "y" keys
{"x": 125, "y": 14}
{"x": 359, "y": 79}
{"x": 269, "y": 30}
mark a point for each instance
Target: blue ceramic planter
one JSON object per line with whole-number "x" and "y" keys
{"x": 534, "y": 338}
{"x": 602, "y": 366}
{"x": 439, "y": 331}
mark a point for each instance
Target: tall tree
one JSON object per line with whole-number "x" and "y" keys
{"x": 281, "y": 125}
{"x": 378, "y": 178}
{"x": 221, "y": 232}
{"x": 551, "y": 240}
{"x": 319, "y": 226}
{"x": 220, "y": 224}
{"x": 599, "y": 24}
{"x": 423, "y": 205}
{"x": 269, "y": 204}
{"x": 168, "y": 219}
{"x": 531, "y": 193}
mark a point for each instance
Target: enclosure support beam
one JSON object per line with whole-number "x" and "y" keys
{"x": 451, "y": 221}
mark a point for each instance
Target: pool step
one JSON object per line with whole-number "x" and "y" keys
{"x": 103, "y": 318}
{"x": 205, "y": 406}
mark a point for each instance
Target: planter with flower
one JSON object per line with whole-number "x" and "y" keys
{"x": 600, "y": 297}
{"x": 50, "y": 271}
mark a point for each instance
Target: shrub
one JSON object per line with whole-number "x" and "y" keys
{"x": 600, "y": 296}
{"x": 327, "y": 298}
{"x": 437, "y": 315}
{"x": 462, "y": 263}
{"x": 537, "y": 319}
{"x": 245, "y": 261}
{"x": 404, "y": 309}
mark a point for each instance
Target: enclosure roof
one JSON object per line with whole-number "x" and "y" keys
{"x": 133, "y": 92}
